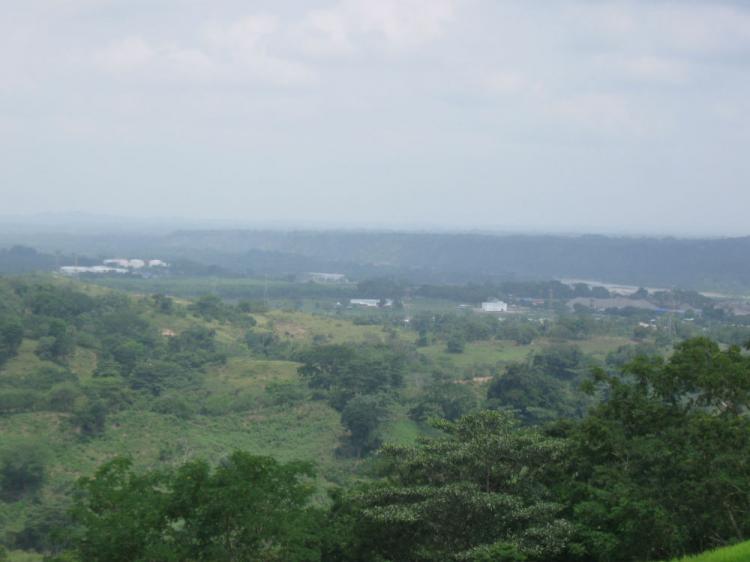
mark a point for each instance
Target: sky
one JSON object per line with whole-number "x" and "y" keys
{"x": 560, "y": 116}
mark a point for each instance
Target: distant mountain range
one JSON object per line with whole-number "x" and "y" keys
{"x": 716, "y": 263}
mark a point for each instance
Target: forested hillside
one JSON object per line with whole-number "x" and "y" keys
{"x": 145, "y": 427}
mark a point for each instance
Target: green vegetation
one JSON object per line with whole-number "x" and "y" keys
{"x": 133, "y": 424}
{"x": 247, "y": 508}
{"x": 736, "y": 553}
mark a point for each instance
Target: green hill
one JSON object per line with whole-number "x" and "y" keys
{"x": 737, "y": 553}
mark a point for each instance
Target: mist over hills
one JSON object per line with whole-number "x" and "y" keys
{"x": 698, "y": 263}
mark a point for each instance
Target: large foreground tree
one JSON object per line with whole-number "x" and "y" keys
{"x": 477, "y": 493}
{"x": 248, "y": 508}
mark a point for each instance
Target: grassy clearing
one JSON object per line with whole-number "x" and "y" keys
{"x": 600, "y": 346}
{"x": 480, "y": 358}
{"x": 304, "y": 328}
{"x": 26, "y": 362}
{"x": 737, "y": 553}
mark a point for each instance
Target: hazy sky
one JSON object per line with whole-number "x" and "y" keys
{"x": 552, "y": 115}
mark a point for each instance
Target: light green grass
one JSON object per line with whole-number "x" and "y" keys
{"x": 302, "y": 327}
{"x": 737, "y": 553}
{"x": 26, "y": 362}
{"x": 21, "y": 556}
{"x": 482, "y": 356}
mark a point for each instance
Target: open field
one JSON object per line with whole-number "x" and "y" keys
{"x": 484, "y": 355}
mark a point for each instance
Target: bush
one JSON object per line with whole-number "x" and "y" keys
{"x": 22, "y": 469}
{"x": 62, "y": 397}
{"x": 17, "y": 401}
{"x": 455, "y": 344}
{"x": 58, "y": 344}
{"x": 47, "y": 377}
{"x": 285, "y": 393}
{"x": 11, "y": 336}
{"x": 90, "y": 418}
{"x": 175, "y": 406}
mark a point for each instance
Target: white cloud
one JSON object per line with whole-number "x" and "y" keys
{"x": 125, "y": 55}
{"x": 505, "y": 82}
{"x": 363, "y": 91}
{"x": 667, "y": 27}
{"x": 598, "y": 112}
{"x": 647, "y": 69}
{"x": 221, "y": 53}
{"x": 352, "y": 25}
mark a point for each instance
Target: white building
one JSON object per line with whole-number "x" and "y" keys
{"x": 495, "y": 306}
{"x": 370, "y": 303}
{"x": 134, "y": 263}
{"x": 118, "y": 262}
{"x": 319, "y": 277}
{"x": 99, "y": 269}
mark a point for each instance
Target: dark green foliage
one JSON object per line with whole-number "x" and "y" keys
{"x": 14, "y": 401}
{"x": 355, "y": 380}
{"x": 519, "y": 330}
{"x": 58, "y": 344}
{"x": 175, "y": 405}
{"x": 345, "y": 371}
{"x": 46, "y": 529}
{"x": 127, "y": 354}
{"x": 163, "y": 303}
{"x": 62, "y": 397}
{"x": 455, "y": 343}
{"x": 265, "y": 344}
{"x": 627, "y": 353}
{"x": 157, "y": 375}
{"x": 565, "y": 362}
{"x": 45, "y": 378}
{"x": 285, "y": 393}
{"x": 535, "y": 396}
{"x": 544, "y": 388}
{"x": 122, "y": 323}
{"x": 361, "y": 417}
{"x": 90, "y": 418}
{"x": 660, "y": 468}
{"x": 11, "y": 336}
{"x": 246, "y": 509}
{"x": 107, "y": 366}
{"x": 447, "y": 400}
{"x": 577, "y": 327}
{"x": 210, "y": 307}
{"x": 196, "y": 347}
{"x": 22, "y": 469}
{"x": 478, "y": 493}
{"x": 56, "y": 301}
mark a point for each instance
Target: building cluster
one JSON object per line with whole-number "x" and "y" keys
{"x": 133, "y": 263}
{"x": 495, "y": 306}
{"x": 371, "y": 303}
{"x": 114, "y": 265}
